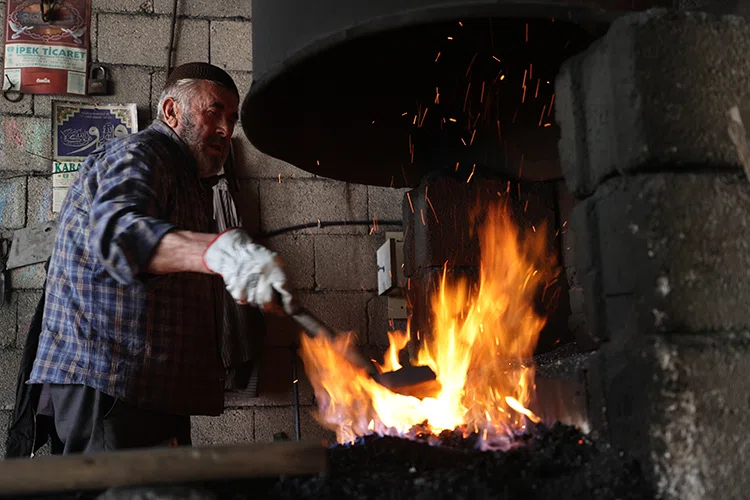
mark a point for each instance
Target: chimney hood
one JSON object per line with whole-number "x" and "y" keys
{"x": 382, "y": 92}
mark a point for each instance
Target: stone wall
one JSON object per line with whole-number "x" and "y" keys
{"x": 334, "y": 270}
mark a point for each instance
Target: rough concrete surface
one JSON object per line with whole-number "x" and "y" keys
{"x": 652, "y": 95}
{"x": 273, "y": 420}
{"x": 667, "y": 252}
{"x": 300, "y": 201}
{"x": 10, "y": 360}
{"x": 28, "y": 277}
{"x": 225, "y": 51}
{"x": 346, "y": 262}
{"x": 679, "y": 403}
{"x": 142, "y": 40}
{"x": 217, "y": 8}
{"x": 13, "y": 203}
{"x": 231, "y": 427}
{"x": 298, "y": 252}
{"x": 8, "y": 320}
{"x": 25, "y": 144}
{"x": 39, "y": 204}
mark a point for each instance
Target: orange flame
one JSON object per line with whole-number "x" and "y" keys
{"x": 481, "y": 337}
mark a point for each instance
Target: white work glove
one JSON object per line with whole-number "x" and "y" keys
{"x": 252, "y": 273}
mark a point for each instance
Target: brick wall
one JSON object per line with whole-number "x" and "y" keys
{"x": 334, "y": 269}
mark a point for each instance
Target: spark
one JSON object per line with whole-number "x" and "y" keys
{"x": 421, "y": 214}
{"x": 460, "y": 23}
{"x": 547, "y": 124}
{"x": 404, "y": 113}
{"x": 481, "y": 96}
{"x": 536, "y": 92}
{"x": 414, "y": 122}
{"x": 437, "y": 96}
{"x": 373, "y": 122}
{"x": 525, "y": 72}
{"x": 534, "y": 229}
{"x": 279, "y": 178}
{"x": 499, "y": 134}
{"x": 472, "y": 173}
{"x": 531, "y": 71}
{"x": 421, "y": 122}
{"x": 452, "y": 120}
{"x": 565, "y": 223}
{"x": 523, "y": 97}
{"x": 541, "y": 117}
{"x": 526, "y": 206}
{"x": 450, "y": 38}
{"x": 471, "y": 64}
{"x": 318, "y": 162}
{"x": 502, "y": 77}
{"x": 473, "y": 133}
{"x": 457, "y": 163}
{"x": 408, "y": 196}
{"x": 462, "y": 140}
{"x": 466, "y": 99}
{"x": 551, "y": 102}
{"x": 295, "y": 381}
{"x": 527, "y": 32}
{"x": 496, "y": 59}
{"x": 438, "y": 57}
{"x": 429, "y": 202}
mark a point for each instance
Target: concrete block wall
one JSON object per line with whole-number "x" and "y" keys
{"x": 333, "y": 270}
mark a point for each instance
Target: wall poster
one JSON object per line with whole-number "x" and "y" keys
{"x": 47, "y": 46}
{"x": 77, "y": 130}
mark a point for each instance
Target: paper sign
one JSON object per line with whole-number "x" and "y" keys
{"x": 47, "y": 46}
{"x": 78, "y": 129}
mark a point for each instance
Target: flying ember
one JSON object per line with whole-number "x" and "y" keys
{"x": 481, "y": 335}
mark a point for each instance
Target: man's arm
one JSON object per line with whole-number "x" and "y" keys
{"x": 179, "y": 252}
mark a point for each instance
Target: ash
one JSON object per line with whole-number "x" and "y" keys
{"x": 558, "y": 463}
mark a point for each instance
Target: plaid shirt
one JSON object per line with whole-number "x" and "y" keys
{"x": 149, "y": 340}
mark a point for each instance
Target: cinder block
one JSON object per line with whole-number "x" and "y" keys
{"x": 231, "y": 45}
{"x": 25, "y": 144}
{"x": 128, "y": 84}
{"x": 298, "y": 253}
{"x": 272, "y": 420}
{"x": 346, "y": 262}
{"x": 275, "y": 382}
{"x": 39, "y": 206}
{"x": 8, "y": 320}
{"x": 438, "y": 219}
{"x": 253, "y": 164}
{"x": 4, "y": 422}
{"x": 676, "y": 404}
{"x": 28, "y": 300}
{"x": 197, "y": 8}
{"x": 672, "y": 250}
{"x": 132, "y": 6}
{"x": 652, "y": 94}
{"x": 299, "y": 201}
{"x": 13, "y": 203}
{"x": 231, "y": 427}
{"x": 385, "y": 203}
{"x": 28, "y": 277}
{"x": 147, "y": 39}
{"x": 10, "y": 361}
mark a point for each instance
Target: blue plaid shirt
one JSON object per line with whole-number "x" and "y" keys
{"x": 149, "y": 340}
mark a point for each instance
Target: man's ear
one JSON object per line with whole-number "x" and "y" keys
{"x": 171, "y": 112}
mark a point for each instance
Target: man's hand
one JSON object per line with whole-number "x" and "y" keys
{"x": 253, "y": 274}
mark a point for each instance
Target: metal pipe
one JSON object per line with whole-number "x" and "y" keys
{"x": 170, "y": 47}
{"x": 295, "y": 395}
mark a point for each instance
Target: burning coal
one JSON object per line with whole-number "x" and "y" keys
{"x": 482, "y": 335}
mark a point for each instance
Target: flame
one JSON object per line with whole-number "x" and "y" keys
{"x": 480, "y": 338}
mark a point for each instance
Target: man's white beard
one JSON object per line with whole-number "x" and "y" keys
{"x": 207, "y": 164}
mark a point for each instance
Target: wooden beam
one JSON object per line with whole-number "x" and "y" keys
{"x": 153, "y": 466}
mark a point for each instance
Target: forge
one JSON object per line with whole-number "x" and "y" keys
{"x": 604, "y": 122}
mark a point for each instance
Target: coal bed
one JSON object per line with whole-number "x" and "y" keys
{"x": 557, "y": 463}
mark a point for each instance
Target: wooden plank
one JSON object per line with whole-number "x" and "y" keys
{"x": 160, "y": 466}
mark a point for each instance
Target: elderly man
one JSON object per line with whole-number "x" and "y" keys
{"x": 129, "y": 340}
